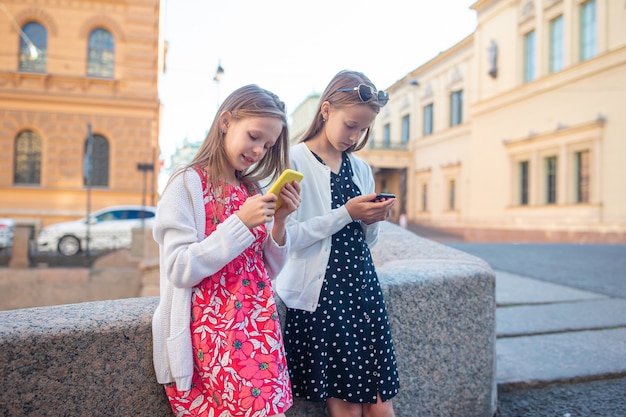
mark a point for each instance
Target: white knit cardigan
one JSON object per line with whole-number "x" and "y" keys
{"x": 312, "y": 226}
{"x": 186, "y": 257}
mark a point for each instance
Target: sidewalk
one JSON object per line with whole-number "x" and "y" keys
{"x": 549, "y": 333}
{"x": 560, "y": 351}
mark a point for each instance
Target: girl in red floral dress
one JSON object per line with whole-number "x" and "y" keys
{"x": 217, "y": 339}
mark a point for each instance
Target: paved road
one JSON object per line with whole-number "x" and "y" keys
{"x": 605, "y": 398}
{"x": 561, "y": 286}
{"x": 55, "y": 259}
{"x": 597, "y": 268}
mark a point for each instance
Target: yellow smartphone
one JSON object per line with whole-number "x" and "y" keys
{"x": 288, "y": 175}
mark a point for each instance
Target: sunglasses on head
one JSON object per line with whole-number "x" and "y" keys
{"x": 366, "y": 93}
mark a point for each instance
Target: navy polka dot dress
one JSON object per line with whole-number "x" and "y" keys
{"x": 344, "y": 348}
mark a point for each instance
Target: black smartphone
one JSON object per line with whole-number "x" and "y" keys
{"x": 381, "y": 196}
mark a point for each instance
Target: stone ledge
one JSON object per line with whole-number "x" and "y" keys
{"x": 88, "y": 359}
{"x": 95, "y": 358}
{"x": 441, "y": 306}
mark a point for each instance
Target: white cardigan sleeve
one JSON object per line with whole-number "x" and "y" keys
{"x": 274, "y": 255}
{"x": 187, "y": 256}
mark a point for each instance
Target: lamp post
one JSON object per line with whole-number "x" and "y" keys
{"x": 144, "y": 167}
{"x": 219, "y": 72}
{"x": 87, "y": 174}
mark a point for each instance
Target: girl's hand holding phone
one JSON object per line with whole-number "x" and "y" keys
{"x": 287, "y": 189}
{"x": 257, "y": 209}
{"x": 286, "y": 177}
{"x": 368, "y": 210}
{"x": 290, "y": 196}
{"x": 383, "y": 197}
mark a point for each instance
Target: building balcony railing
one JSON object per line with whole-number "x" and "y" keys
{"x": 386, "y": 155}
{"x": 379, "y": 145}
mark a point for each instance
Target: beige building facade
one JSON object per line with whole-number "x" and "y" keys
{"x": 518, "y": 131}
{"x": 68, "y": 69}
{"x": 302, "y": 117}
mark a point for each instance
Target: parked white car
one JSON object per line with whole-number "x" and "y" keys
{"x": 109, "y": 228}
{"x": 6, "y": 233}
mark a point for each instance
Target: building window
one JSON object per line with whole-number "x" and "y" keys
{"x": 582, "y": 165}
{"x": 588, "y": 30}
{"x": 550, "y": 164}
{"x": 556, "y": 44}
{"x": 99, "y": 162}
{"x": 33, "y": 54}
{"x": 456, "y": 108}
{"x": 101, "y": 54}
{"x": 428, "y": 119}
{"x": 452, "y": 195}
{"x": 424, "y": 197}
{"x": 523, "y": 183}
{"x": 386, "y": 136}
{"x": 27, "y": 158}
{"x": 529, "y": 56}
{"x": 406, "y": 129}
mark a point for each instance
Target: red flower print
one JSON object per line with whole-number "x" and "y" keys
{"x": 242, "y": 348}
{"x": 270, "y": 322}
{"x": 239, "y": 366}
{"x": 237, "y": 308}
{"x": 242, "y": 283}
{"x": 196, "y": 313}
{"x": 261, "y": 367}
{"x": 255, "y": 397}
{"x": 203, "y": 352}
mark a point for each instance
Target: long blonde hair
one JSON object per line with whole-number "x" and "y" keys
{"x": 343, "y": 79}
{"x": 247, "y": 101}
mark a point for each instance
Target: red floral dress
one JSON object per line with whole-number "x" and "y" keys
{"x": 239, "y": 359}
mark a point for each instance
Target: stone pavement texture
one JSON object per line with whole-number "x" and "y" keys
{"x": 551, "y": 333}
{"x": 560, "y": 351}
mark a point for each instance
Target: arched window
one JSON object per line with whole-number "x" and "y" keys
{"x": 27, "y": 167}
{"x": 101, "y": 54}
{"x": 33, "y": 54}
{"x": 99, "y": 162}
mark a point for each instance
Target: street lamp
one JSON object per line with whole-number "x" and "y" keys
{"x": 87, "y": 174}
{"x": 219, "y": 72}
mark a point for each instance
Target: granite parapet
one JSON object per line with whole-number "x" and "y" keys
{"x": 95, "y": 358}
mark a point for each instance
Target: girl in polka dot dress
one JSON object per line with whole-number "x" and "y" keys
{"x": 217, "y": 340}
{"x": 337, "y": 336}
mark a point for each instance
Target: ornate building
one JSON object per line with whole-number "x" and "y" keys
{"x": 518, "y": 131}
{"x": 72, "y": 71}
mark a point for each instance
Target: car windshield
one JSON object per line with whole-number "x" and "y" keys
{"x": 123, "y": 215}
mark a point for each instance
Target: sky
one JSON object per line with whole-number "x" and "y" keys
{"x": 292, "y": 48}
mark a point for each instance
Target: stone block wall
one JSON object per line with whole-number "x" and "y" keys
{"x": 95, "y": 358}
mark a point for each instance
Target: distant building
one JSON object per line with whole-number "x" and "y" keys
{"x": 518, "y": 131}
{"x": 65, "y": 66}
{"x": 184, "y": 153}
{"x": 302, "y": 117}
